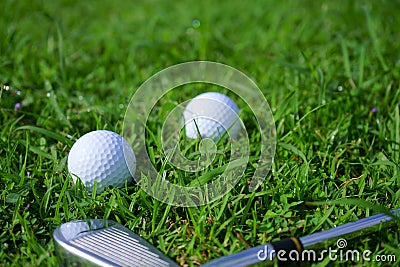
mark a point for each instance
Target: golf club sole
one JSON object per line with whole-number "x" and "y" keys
{"x": 106, "y": 243}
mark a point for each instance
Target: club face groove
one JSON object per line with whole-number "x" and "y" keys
{"x": 105, "y": 243}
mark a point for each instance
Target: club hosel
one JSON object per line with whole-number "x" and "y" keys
{"x": 283, "y": 250}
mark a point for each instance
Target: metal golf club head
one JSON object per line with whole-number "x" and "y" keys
{"x": 107, "y": 243}
{"x": 104, "y": 243}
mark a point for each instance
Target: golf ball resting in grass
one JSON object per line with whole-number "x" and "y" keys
{"x": 101, "y": 156}
{"x": 211, "y": 114}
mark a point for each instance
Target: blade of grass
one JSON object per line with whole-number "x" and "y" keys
{"x": 54, "y": 104}
{"x": 357, "y": 202}
{"x": 361, "y": 65}
{"x": 374, "y": 38}
{"x": 396, "y": 144}
{"x": 48, "y": 133}
{"x": 346, "y": 59}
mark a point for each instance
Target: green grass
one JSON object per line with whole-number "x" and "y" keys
{"x": 330, "y": 71}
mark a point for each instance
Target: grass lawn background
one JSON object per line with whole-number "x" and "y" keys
{"x": 330, "y": 71}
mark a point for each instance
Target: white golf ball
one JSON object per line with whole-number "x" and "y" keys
{"x": 211, "y": 114}
{"x": 101, "y": 156}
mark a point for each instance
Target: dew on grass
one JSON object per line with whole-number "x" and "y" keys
{"x": 196, "y": 23}
{"x": 333, "y": 134}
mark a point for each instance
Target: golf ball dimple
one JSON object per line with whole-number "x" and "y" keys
{"x": 211, "y": 114}
{"x": 102, "y": 156}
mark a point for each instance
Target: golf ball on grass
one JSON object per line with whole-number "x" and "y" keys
{"x": 101, "y": 156}
{"x": 211, "y": 114}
